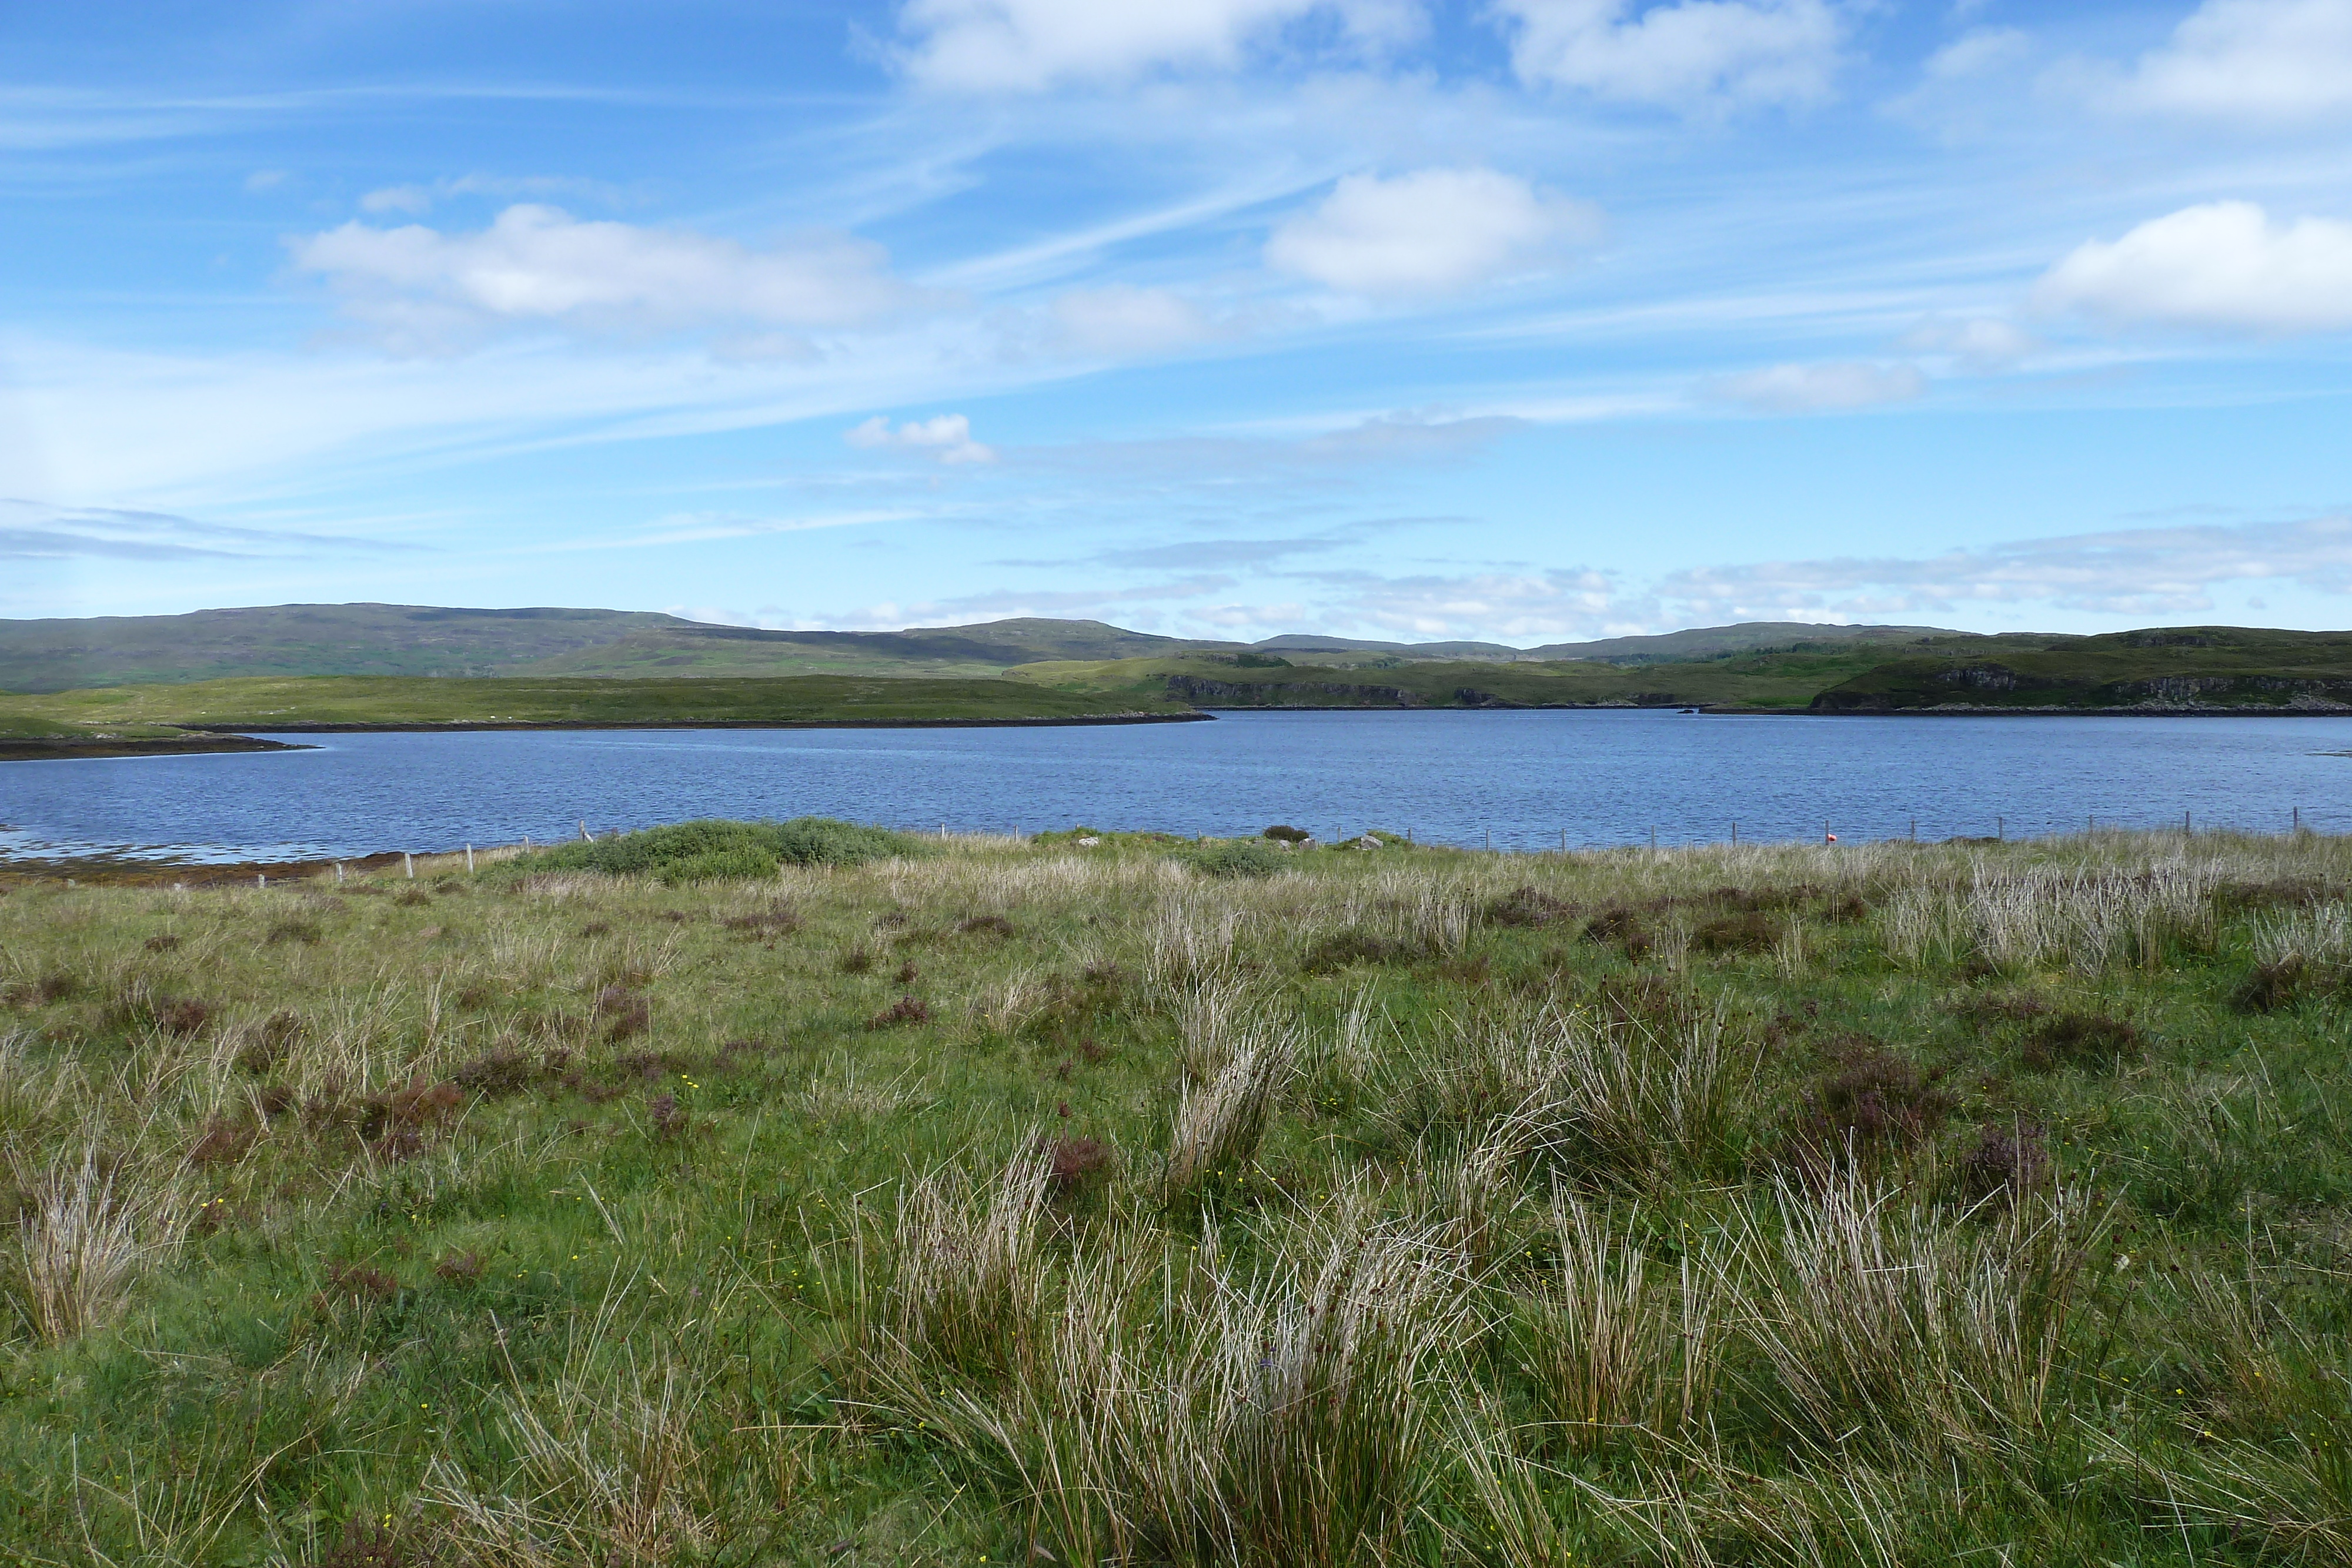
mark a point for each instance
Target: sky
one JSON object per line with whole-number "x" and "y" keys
{"x": 1522, "y": 321}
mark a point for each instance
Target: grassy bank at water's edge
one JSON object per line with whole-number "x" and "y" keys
{"x": 942, "y": 1201}
{"x": 422, "y": 702}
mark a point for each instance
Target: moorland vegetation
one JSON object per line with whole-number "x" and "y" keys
{"x": 803, "y": 1193}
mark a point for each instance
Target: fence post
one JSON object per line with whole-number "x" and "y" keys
{"x": 408, "y": 864}
{"x": 469, "y": 860}
{"x": 1915, "y": 830}
{"x": 261, "y": 879}
{"x": 1735, "y": 835}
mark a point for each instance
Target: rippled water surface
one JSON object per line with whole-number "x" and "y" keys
{"x": 1527, "y": 778}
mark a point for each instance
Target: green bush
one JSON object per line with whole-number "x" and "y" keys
{"x": 712, "y": 850}
{"x": 1235, "y": 857}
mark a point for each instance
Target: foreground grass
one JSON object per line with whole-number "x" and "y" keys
{"x": 1044, "y": 1202}
{"x": 265, "y": 703}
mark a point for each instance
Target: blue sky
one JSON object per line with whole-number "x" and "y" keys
{"x": 1522, "y": 319}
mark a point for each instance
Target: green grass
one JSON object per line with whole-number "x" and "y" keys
{"x": 1027, "y": 1202}
{"x": 294, "y": 704}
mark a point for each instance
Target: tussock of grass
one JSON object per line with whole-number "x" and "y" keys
{"x": 1050, "y": 1202}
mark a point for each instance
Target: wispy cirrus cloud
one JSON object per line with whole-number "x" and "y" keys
{"x": 35, "y": 531}
{"x": 1821, "y": 388}
{"x": 1027, "y": 45}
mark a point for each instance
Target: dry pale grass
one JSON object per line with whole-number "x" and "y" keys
{"x": 1220, "y": 1124}
{"x": 79, "y": 1246}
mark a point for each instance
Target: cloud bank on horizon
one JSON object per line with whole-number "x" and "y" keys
{"x": 1511, "y": 320}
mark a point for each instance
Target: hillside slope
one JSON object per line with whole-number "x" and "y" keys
{"x": 58, "y": 656}
{"x": 397, "y": 702}
{"x": 2176, "y": 670}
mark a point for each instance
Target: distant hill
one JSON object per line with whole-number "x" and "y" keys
{"x": 1766, "y": 666}
{"x": 295, "y": 640}
{"x": 298, "y": 640}
{"x": 1295, "y": 642}
{"x": 1748, "y": 637}
{"x": 2173, "y": 669}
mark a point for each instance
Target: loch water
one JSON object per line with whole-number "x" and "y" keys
{"x": 1531, "y": 779}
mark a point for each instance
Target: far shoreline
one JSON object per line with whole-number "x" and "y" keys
{"x": 206, "y": 739}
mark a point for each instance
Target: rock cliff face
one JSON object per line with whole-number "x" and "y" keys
{"x": 1982, "y": 677}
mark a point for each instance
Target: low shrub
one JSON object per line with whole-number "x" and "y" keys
{"x": 906, "y": 1009}
{"x": 2011, "y": 1160}
{"x": 713, "y": 850}
{"x": 1284, "y": 833}
{"x": 1345, "y": 949}
{"x": 1527, "y": 907}
{"x": 1752, "y": 931}
{"x": 2268, "y": 988}
{"x": 1872, "y": 1103}
{"x": 1234, "y": 858}
{"x": 2092, "y": 1041}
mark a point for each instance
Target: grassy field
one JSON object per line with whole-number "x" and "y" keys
{"x": 1140, "y": 1201}
{"x": 262, "y": 704}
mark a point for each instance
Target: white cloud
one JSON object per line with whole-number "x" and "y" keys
{"x": 1025, "y": 44}
{"x": 1686, "y": 54}
{"x": 409, "y": 199}
{"x": 536, "y": 265}
{"x": 417, "y": 199}
{"x": 2221, "y": 265}
{"x": 1983, "y": 343}
{"x": 1523, "y": 605}
{"x": 262, "y": 179}
{"x": 2248, "y": 60}
{"x": 1431, "y": 231}
{"x": 1975, "y": 52}
{"x": 2134, "y": 572}
{"x": 1821, "y": 388}
{"x": 946, "y": 436}
{"x": 1120, "y": 320}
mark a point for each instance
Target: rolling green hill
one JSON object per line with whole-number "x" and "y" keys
{"x": 2175, "y": 670}
{"x": 1779, "y": 682}
{"x": 297, "y": 640}
{"x": 2192, "y": 670}
{"x": 398, "y": 703}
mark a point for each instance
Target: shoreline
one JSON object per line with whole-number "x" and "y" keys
{"x": 65, "y": 748}
{"x": 1730, "y": 711}
{"x": 206, "y": 739}
{"x": 460, "y": 726}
